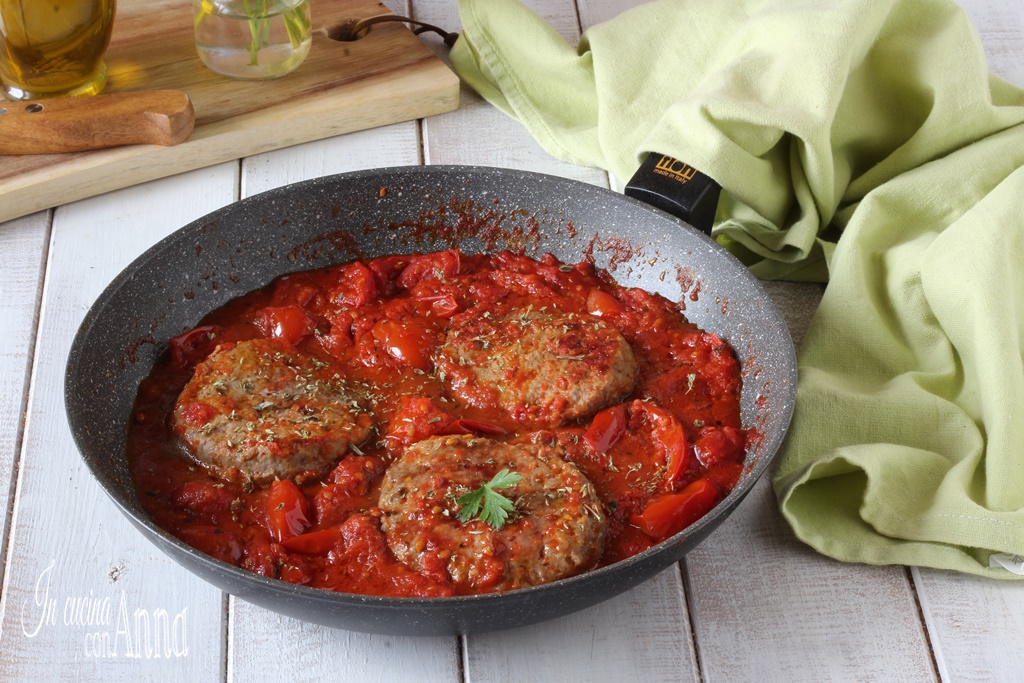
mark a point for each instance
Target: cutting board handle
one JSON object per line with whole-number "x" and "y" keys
{"x": 77, "y": 124}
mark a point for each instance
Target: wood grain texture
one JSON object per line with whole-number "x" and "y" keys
{"x": 269, "y": 647}
{"x": 74, "y": 562}
{"x": 797, "y": 301}
{"x": 395, "y": 145}
{"x": 76, "y": 124}
{"x": 767, "y": 608}
{"x": 597, "y": 11}
{"x": 764, "y": 607}
{"x": 977, "y": 625}
{"x": 24, "y": 243}
{"x": 1000, "y": 25}
{"x": 386, "y": 77}
{"x": 641, "y": 635}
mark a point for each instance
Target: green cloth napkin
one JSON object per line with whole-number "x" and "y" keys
{"x": 859, "y": 141}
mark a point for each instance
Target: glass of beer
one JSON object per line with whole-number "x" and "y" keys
{"x": 53, "y": 48}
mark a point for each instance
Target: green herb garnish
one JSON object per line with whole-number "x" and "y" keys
{"x": 488, "y": 505}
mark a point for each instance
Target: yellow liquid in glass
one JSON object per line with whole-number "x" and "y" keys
{"x": 54, "y": 47}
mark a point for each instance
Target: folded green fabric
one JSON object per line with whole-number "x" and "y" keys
{"x": 859, "y": 141}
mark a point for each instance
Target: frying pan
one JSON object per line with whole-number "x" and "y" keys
{"x": 404, "y": 210}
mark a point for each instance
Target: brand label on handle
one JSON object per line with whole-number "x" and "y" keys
{"x": 675, "y": 169}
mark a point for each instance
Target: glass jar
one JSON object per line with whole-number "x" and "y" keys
{"x": 252, "y": 39}
{"x": 53, "y": 48}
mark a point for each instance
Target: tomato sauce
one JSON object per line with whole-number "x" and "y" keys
{"x": 659, "y": 460}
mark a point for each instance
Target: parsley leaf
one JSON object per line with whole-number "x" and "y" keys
{"x": 488, "y": 505}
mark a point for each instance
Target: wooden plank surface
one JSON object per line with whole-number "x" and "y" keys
{"x": 1000, "y": 25}
{"x": 386, "y": 77}
{"x": 641, "y": 635}
{"x": 85, "y": 596}
{"x": 24, "y": 241}
{"x": 767, "y": 608}
{"x": 763, "y": 607}
{"x": 269, "y": 647}
{"x": 976, "y": 626}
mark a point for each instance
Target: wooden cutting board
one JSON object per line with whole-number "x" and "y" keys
{"x": 387, "y": 76}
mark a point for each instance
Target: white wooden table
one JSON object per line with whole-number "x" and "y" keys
{"x": 750, "y": 604}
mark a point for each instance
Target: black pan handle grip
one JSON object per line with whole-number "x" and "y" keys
{"x": 678, "y": 188}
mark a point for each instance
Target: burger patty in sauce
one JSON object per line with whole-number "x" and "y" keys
{"x": 557, "y": 530}
{"x": 542, "y": 370}
{"x": 259, "y": 410}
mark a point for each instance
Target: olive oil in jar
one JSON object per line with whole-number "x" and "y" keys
{"x": 52, "y": 48}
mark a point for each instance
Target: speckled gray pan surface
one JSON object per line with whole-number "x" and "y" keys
{"x": 403, "y": 210}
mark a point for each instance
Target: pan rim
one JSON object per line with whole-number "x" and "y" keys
{"x": 645, "y": 562}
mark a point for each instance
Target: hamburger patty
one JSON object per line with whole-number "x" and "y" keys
{"x": 259, "y": 410}
{"x": 558, "y": 528}
{"x": 542, "y": 370}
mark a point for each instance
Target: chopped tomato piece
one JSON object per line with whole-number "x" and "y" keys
{"x": 285, "y": 322}
{"x": 636, "y": 299}
{"x": 417, "y": 418}
{"x": 263, "y": 558}
{"x": 357, "y": 285}
{"x": 313, "y": 543}
{"x": 198, "y": 413}
{"x": 443, "y": 265}
{"x": 188, "y": 348}
{"x": 333, "y": 503}
{"x": 336, "y": 342}
{"x": 726, "y": 475}
{"x": 603, "y": 304}
{"x": 464, "y": 426}
{"x": 720, "y": 444}
{"x": 628, "y": 542}
{"x": 441, "y": 305}
{"x": 404, "y": 343}
{"x": 225, "y": 546}
{"x": 681, "y": 390}
{"x": 667, "y": 515}
{"x": 202, "y": 498}
{"x": 293, "y": 573}
{"x": 355, "y": 474}
{"x": 668, "y": 432}
{"x": 386, "y": 270}
{"x": 287, "y": 510}
{"x": 288, "y": 292}
{"x": 607, "y": 427}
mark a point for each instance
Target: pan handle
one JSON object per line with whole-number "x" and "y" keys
{"x": 678, "y": 188}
